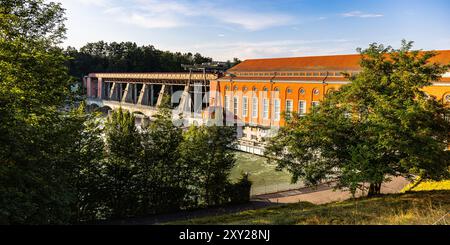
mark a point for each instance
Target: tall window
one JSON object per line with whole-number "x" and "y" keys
{"x": 235, "y": 105}
{"x": 315, "y": 103}
{"x": 276, "y": 109}
{"x": 227, "y": 103}
{"x": 289, "y": 106}
{"x": 301, "y": 107}
{"x": 255, "y": 107}
{"x": 266, "y": 108}
{"x": 244, "y": 106}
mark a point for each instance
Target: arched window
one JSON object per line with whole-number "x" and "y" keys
{"x": 227, "y": 88}
{"x": 289, "y": 91}
{"x": 447, "y": 98}
{"x": 276, "y": 92}
{"x": 235, "y": 88}
{"x": 244, "y": 89}
{"x": 301, "y": 91}
{"x": 316, "y": 91}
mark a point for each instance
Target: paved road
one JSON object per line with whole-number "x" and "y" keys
{"x": 322, "y": 194}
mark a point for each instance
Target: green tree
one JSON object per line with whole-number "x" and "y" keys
{"x": 381, "y": 125}
{"x": 208, "y": 151}
{"x": 84, "y": 134}
{"x": 164, "y": 178}
{"x": 34, "y": 84}
{"x": 123, "y": 149}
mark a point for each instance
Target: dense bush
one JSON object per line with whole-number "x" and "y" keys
{"x": 155, "y": 170}
{"x": 240, "y": 192}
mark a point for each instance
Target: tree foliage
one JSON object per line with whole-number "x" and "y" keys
{"x": 165, "y": 177}
{"x": 67, "y": 166}
{"x": 33, "y": 85}
{"x": 120, "y": 167}
{"x": 129, "y": 57}
{"x": 380, "y": 125}
{"x": 208, "y": 150}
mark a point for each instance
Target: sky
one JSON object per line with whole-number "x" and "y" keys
{"x": 259, "y": 28}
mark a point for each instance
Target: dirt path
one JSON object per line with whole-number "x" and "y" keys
{"x": 324, "y": 193}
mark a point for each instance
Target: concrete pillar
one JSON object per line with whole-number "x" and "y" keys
{"x": 100, "y": 88}
{"x": 184, "y": 98}
{"x": 88, "y": 87}
{"x": 127, "y": 94}
{"x": 198, "y": 100}
{"x": 112, "y": 94}
{"x": 171, "y": 94}
{"x": 143, "y": 95}
{"x": 161, "y": 95}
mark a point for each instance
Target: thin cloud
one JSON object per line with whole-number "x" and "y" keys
{"x": 148, "y": 20}
{"x": 97, "y": 3}
{"x": 252, "y": 21}
{"x": 360, "y": 14}
{"x": 170, "y": 14}
{"x": 276, "y": 48}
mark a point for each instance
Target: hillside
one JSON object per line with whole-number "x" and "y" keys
{"x": 424, "y": 207}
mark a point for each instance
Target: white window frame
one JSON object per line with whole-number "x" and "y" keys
{"x": 227, "y": 103}
{"x": 276, "y": 109}
{"x": 302, "y": 111}
{"x": 265, "y": 110}
{"x": 244, "y": 106}
{"x": 254, "y": 107}
{"x": 315, "y": 103}
{"x": 287, "y": 107}
{"x": 235, "y": 105}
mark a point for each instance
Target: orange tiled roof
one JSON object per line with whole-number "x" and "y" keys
{"x": 328, "y": 63}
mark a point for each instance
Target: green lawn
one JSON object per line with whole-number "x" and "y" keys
{"x": 263, "y": 175}
{"x": 425, "y": 207}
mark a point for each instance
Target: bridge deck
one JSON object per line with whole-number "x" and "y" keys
{"x": 157, "y": 76}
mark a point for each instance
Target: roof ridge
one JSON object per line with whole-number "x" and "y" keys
{"x": 335, "y": 55}
{"x": 311, "y": 56}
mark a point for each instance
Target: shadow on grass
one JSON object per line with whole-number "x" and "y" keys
{"x": 424, "y": 207}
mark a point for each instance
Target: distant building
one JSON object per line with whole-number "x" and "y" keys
{"x": 254, "y": 94}
{"x": 257, "y": 91}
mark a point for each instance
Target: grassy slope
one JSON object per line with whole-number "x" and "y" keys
{"x": 428, "y": 202}
{"x": 423, "y": 207}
